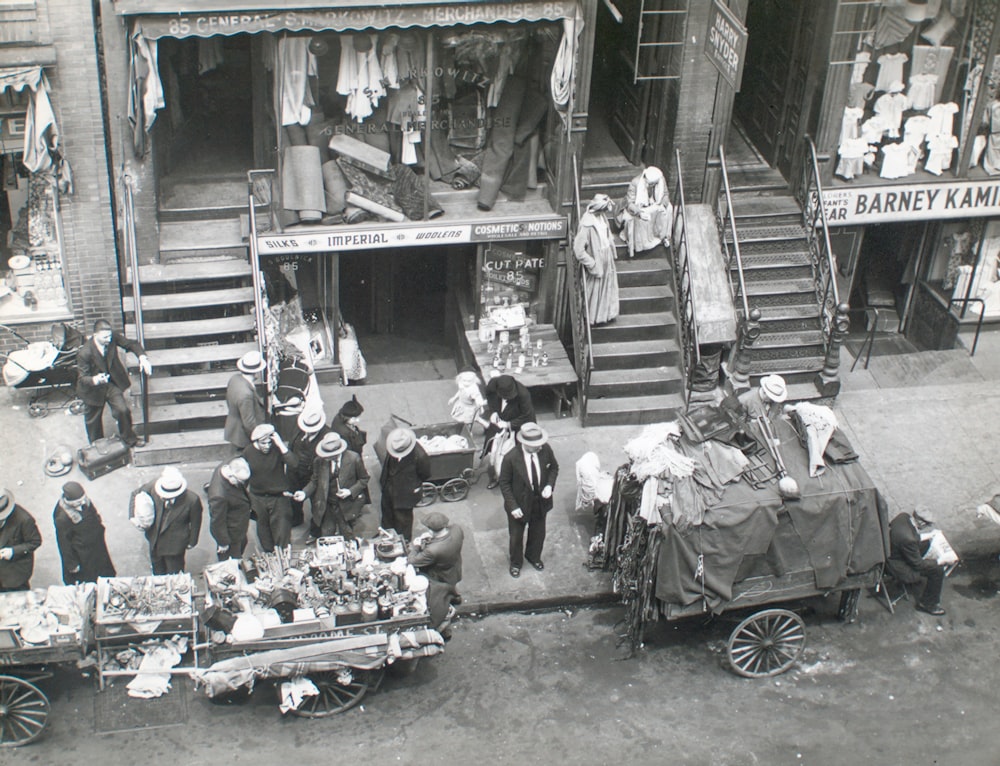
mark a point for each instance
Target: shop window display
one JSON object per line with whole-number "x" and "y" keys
{"x": 972, "y": 256}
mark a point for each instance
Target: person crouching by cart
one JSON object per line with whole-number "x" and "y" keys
{"x": 19, "y": 537}
{"x": 80, "y": 537}
{"x": 405, "y": 468}
{"x": 229, "y": 507}
{"x": 527, "y": 478}
{"x": 170, "y": 516}
{"x": 509, "y": 403}
{"x": 437, "y": 554}
{"x": 270, "y": 490}
{"x": 337, "y": 488}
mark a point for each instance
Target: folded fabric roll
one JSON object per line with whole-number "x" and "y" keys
{"x": 302, "y": 182}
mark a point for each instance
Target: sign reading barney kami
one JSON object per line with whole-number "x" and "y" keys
{"x": 726, "y": 43}
{"x": 911, "y": 202}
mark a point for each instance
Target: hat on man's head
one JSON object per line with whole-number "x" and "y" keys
{"x": 435, "y": 521}
{"x": 72, "y": 491}
{"x": 170, "y": 484}
{"x": 506, "y": 387}
{"x": 312, "y": 421}
{"x": 773, "y": 387}
{"x": 331, "y": 445}
{"x": 262, "y": 431}
{"x": 240, "y": 468}
{"x": 6, "y": 500}
{"x": 532, "y": 435}
{"x": 923, "y": 514}
{"x": 102, "y": 324}
{"x": 352, "y": 408}
{"x": 400, "y": 442}
{"x": 251, "y": 362}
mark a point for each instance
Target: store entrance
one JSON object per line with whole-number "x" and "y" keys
{"x": 885, "y": 272}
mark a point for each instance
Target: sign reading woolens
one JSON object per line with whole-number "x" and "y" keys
{"x": 911, "y": 202}
{"x": 342, "y": 240}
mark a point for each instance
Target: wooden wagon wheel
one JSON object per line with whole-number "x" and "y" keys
{"x": 37, "y": 410}
{"x": 454, "y": 490}
{"x": 766, "y": 643}
{"x": 334, "y": 696}
{"x": 24, "y": 712}
{"x": 428, "y": 494}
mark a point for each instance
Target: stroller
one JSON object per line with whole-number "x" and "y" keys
{"x": 43, "y": 367}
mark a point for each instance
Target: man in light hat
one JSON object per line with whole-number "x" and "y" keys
{"x": 176, "y": 522}
{"x": 245, "y": 406}
{"x": 229, "y": 507}
{"x": 310, "y": 429}
{"x": 346, "y": 423}
{"x": 527, "y": 478}
{"x": 80, "y": 537}
{"x": 437, "y": 554}
{"x": 766, "y": 400}
{"x": 19, "y": 537}
{"x": 906, "y": 559}
{"x": 104, "y": 380}
{"x": 405, "y": 468}
{"x": 271, "y": 494}
{"x": 337, "y": 488}
{"x": 509, "y": 403}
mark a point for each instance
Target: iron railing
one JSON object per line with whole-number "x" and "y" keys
{"x": 132, "y": 253}
{"x": 731, "y": 244}
{"x": 686, "y": 314}
{"x": 979, "y": 323}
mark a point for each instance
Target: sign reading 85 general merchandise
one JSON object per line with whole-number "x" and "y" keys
{"x": 911, "y": 202}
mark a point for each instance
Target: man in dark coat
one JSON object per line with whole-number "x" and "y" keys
{"x": 310, "y": 428}
{"x": 437, "y": 554}
{"x": 173, "y": 526}
{"x": 405, "y": 468}
{"x": 270, "y": 490}
{"x": 510, "y": 407}
{"x": 527, "y": 477}
{"x": 245, "y": 407}
{"x": 19, "y": 537}
{"x": 337, "y": 487}
{"x": 80, "y": 537}
{"x": 103, "y": 379}
{"x": 346, "y": 423}
{"x": 906, "y": 559}
{"x": 229, "y": 507}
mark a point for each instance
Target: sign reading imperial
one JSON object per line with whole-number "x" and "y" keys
{"x": 911, "y": 202}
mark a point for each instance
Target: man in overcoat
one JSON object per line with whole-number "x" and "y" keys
{"x": 437, "y": 554}
{"x": 245, "y": 407}
{"x": 337, "y": 487}
{"x": 175, "y": 522}
{"x": 906, "y": 559}
{"x": 405, "y": 468}
{"x": 527, "y": 478}
{"x": 80, "y": 537}
{"x": 310, "y": 428}
{"x": 103, "y": 379}
{"x": 509, "y": 403}
{"x": 229, "y": 507}
{"x": 19, "y": 537}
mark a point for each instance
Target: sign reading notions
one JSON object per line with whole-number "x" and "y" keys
{"x": 726, "y": 43}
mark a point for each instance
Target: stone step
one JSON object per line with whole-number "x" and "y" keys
{"x": 789, "y": 339}
{"x": 775, "y": 274}
{"x": 204, "y": 445}
{"x": 171, "y": 413}
{"x": 189, "y": 328}
{"x": 204, "y": 193}
{"x": 639, "y": 272}
{"x": 606, "y": 384}
{"x": 187, "y": 236}
{"x": 786, "y": 366}
{"x": 765, "y": 206}
{"x": 187, "y": 356}
{"x": 633, "y": 410}
{"x": 793, "y": 289}
{"x": 632, "y": 354}
{"x": 767, "y": 257}
{"x": 646, "y": 298}
{"x": 197, "y": 271}
{"x": 208, "y": 383}
{"x": 204, "y": 254}
{"x": 635, "y": 327}
{"x": 186, "y": 300}
{"x": 765, "y": 233}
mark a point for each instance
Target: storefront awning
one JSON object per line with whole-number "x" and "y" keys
{"x": 19, "y": 78}
{"x": 207, "y": 18}
{"x": 41, "y": 134}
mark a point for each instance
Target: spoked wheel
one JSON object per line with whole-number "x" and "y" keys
{"x": 37, "y": 410}
{"x": 766, "y": 643}
{"x": 339, "y": 690}
{"x": 428, "y": 494}
{"x": 24, "y": 712}
{"x": 454, "y": 490}
{"x": 76, "y": 407}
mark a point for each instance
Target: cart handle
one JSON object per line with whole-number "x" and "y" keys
{"x": 14, "y": 332}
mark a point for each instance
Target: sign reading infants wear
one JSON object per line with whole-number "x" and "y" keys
{"x": 912, "y": 202}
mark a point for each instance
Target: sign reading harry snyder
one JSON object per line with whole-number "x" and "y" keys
{"x": 726, "y": 43}
{"x": 916, "y": 202}
{"x": 343, "y": 239}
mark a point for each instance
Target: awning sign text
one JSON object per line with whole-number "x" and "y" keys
{"x": 911, "y": 202}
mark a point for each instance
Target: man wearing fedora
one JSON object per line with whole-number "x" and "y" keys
{"x": 437, "y": 554}
{"x": 271, "y": 494}
{"x": 509, "y": 403}
{"x": 906, "y": 560}
{"x": 176, "y": 520}
{"x": 310, "y": 428}
{"x": 245, "y": 407}
{"x": 229, "y": 507}
{"x": 765, "y": 401}
{"x": 80, "y": 537}
{"x": 337, "y": 488}
{"x": 19, "y": 537}
{"x": 405, "y": 468}
{"x": 527, "y": 478}
{"x": 104, "y": 380}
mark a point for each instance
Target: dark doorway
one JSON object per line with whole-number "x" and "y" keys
{"x": 886, "y": 270}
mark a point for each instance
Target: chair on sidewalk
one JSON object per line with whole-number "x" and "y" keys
{"x": 890, "y": 591}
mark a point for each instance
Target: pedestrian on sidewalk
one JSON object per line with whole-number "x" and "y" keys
{"x": 527, "y": 478}
{"x": 104, "y": 380}
{"x": 170, "y": 516}
{"x": 229, "y": 507}
{"x": 338, "y": 488}
{"x": 245, "y": 407}
{"x": 347, "y": 423}
{"x": 405, "y": 468}
{"x": 270, "y": 490}
{"x": 509, "y": 404}
{"x": 906, "y": 560}
{"x": 80, "y": 537}
{"x": 310, "y": 428}
{"x": 437, "y": 554}
{"x": 19, "y": 537}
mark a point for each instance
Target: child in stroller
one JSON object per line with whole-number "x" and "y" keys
{"x": 42, "y": 367}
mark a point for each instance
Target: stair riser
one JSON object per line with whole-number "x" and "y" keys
{"x": 791, "y": 379}
{"x": 630, "y": 417}
{"x": 626, "y": 389}
{"x": 642, "y": 278}
{"x": 775, "y": 273}
{"x": 612, "y": 334}
{"x": 175, "y": 426}
{"x": 781, "y": 299}
{"x": 794, "y": 353}
{"x": 788, "y": 325}
{"x": 634, "y": 361}
{"x": 628, "y": 305}
{"x": 223, "y": 211}
{"x": 149, "y": 455}
{"x": 172, "y": 256}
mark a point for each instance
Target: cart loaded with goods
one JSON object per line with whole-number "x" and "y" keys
{"x": 719, "y": 512}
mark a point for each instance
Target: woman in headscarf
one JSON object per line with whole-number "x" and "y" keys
{"x": 594, "y": 248}
{"x": 647, "y": 215}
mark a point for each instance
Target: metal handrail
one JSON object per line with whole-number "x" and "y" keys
{"x": 579, "y": 270}
{"x": 132, "y": 252}
{"x": 979, "y": 324}
{"x": 814, "y": 218}
{"x": 682, "y": 285}
{"x": 258, "y": 278}
{"x": 869, "y": 340}
{"x": 735, "y": 255}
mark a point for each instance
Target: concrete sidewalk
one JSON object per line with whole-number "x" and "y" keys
{"x": 923, "y": 425}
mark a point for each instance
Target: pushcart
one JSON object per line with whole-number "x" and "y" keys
{"x": 452, "y": 472}
{"x": 44, "y": 368}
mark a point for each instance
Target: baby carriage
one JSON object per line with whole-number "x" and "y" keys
{"x": 43, "y": 367}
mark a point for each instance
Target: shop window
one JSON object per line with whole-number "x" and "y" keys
{"x": 508, "y": 293}
{"x": 966, "y": 265}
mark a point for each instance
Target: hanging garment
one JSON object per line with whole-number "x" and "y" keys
{"x": 561, "y": 78}
{"x": 991, "y": 157}
{"x": 891, "y": 28}
{"x": 145, "y": 93}
{"x": 387, "y": 61}
{"x": 943, "y": 119}
{"x": 210, "y": 56}
{"x": 594, "y": 248}
{"x": 873, "y": 129}
{"x": 296, "y": 64}
{"x": 890, "y": 108}
{"x": 916, "y": 129}
{"x": 360, "y": 75}
{"x": 852, "y": 153}
{"x": 850, "y": 124}
{"x": 859, "y": 93}
{"x": 897, "y": 159}
{"x": 921, "y": 91}
{"x": 890, "y": 69}
{"x": 939, "y": 151}
{"x": 861, "y": 61}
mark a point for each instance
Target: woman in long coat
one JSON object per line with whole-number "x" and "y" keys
{"x": 594, "y": 248}
{"x": 647, "y": 215}
{"x": 80, "y": 536}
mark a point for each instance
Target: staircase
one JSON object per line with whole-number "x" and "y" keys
{"x": 636, "y": 377}
{"x": 778, "y": 271}
{"x": 198, "y": 319}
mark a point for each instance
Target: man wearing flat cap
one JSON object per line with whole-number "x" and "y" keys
{"x": 176, "y": 519}
{"x": 405, "y": 468}
{"x": 337, "y": 487}
{"x": 80, "y": 537}
{"x": 245, "y": 407}
{"x": 271, "y": 492}
{"x": 19, "y": 537}
{"x": 527, "y": 477}
{"x": 509, "y": 403}
{"x": 346, "y": 423}
{"x": 437, "y": 554}
{"x": 229, "y": 507}
{"x": 906, "y": 559}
